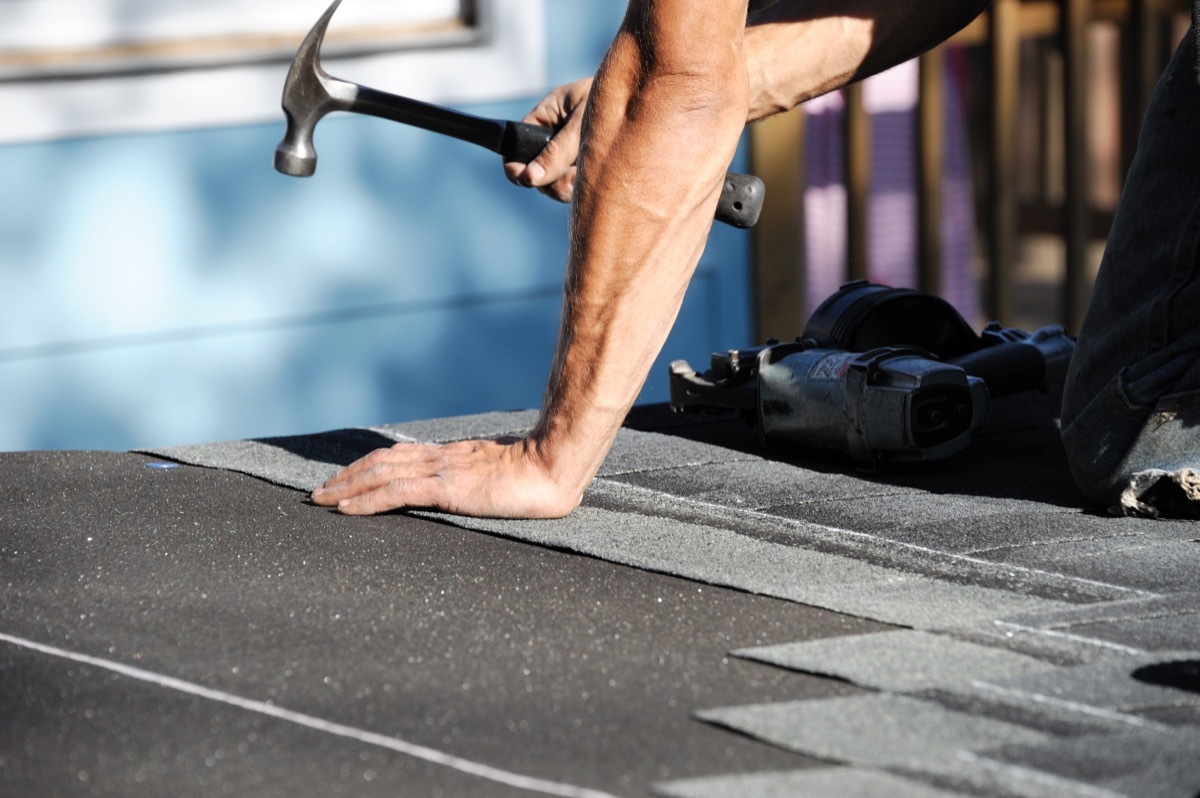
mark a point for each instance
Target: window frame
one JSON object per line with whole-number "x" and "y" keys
{"x": 488, "y": 50}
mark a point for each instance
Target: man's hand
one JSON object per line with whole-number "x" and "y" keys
{"x": 504, "y": 478}
{"x": 553, "y": 171}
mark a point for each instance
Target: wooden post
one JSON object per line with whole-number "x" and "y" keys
{"x": 1077, "y": 197}
{"x": 858, "y": 182}
{"x": 1144, "y": 53}
{"x": 930, "y": 170}
{"x": 777, "y": 156}
{"x": 1003, "y": 33}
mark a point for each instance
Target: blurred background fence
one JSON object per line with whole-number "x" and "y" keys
{"x": 988, "y": 171}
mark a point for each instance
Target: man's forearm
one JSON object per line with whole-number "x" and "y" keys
{"x": 662, "y": 125}
{"x": 800, "y": 49}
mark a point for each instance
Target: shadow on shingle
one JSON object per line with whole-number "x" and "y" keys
{"x": 1017, "y": 455}
{"x": 338, "y": 447}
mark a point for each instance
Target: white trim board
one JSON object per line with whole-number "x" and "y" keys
{"x": 509, "y": 61}
{"x": 38, "y": 26}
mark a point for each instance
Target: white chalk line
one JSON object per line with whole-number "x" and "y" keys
{"x": 1071, "y": 706}
{"x": 432, "y": 755}
{"x": 1074, "y": 638}
{"x": 1059, "y": 783}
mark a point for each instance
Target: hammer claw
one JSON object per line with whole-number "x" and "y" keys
{"x": 306, "y": 98}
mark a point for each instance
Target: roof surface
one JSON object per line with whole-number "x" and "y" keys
{"x": 718, "y": 618}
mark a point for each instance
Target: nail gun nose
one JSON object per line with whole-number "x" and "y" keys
{"x": 939, "y": 413}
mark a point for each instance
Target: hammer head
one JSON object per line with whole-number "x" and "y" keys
{"x": 306, "y": 98}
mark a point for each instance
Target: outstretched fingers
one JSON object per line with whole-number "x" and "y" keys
{"x": 402, "y": 492}
{"x": 402, "y": 476}
{"x": 501, "y": 478}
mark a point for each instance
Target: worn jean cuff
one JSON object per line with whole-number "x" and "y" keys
{"x": 1138, "y": 461}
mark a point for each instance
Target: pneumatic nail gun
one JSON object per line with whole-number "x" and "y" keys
{"x": 883, "y": 375}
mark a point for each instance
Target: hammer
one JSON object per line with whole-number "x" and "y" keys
{"x": 310, "y": 93}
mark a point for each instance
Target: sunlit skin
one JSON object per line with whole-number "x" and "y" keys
{"x": 641, "y": 152}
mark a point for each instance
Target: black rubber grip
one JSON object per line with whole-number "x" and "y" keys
{"x": 1006, "y": 368}
{"x": 523, "y": 142}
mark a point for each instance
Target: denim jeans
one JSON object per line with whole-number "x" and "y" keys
{"x": 1131, "y": 405}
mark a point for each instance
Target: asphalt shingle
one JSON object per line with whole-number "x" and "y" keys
{"x": 1026, "y": 617}
{"x": 900, "y": 661}
{"x": 877, "y": 731}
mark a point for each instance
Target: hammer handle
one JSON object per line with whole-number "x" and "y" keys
{"x": 741, "y": 195}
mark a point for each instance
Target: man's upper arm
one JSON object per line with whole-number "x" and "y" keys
{"x": 799, "y": 49}
{"x": 676, "y": 33}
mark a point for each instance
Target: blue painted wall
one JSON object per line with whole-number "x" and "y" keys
{"x": 172, "y": 288}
